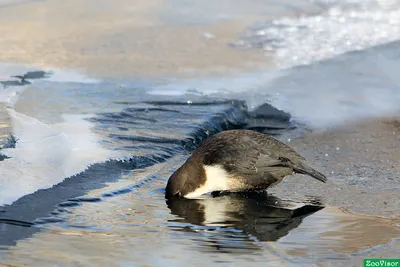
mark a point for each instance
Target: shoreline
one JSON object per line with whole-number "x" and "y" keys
{"x": 338, "y": 152}
{"x": 313, "y": 145}
{"x": 135, "y": 40}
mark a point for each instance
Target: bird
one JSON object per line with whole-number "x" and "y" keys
{"x": 237, "y": 161}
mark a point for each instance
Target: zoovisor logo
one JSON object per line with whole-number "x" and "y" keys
{"x": 381, "y": 262}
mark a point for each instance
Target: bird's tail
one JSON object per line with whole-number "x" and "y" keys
{"x": 308, "y": 170}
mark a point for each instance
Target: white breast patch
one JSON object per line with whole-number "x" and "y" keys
{"x": 216, "y": 180}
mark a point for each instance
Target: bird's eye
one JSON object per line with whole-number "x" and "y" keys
{"x": 178, "y": 194}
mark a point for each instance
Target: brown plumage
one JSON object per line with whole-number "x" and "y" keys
{"x": 237, "y": 160}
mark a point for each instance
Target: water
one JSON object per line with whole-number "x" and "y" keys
{"x": 115, "y": 109}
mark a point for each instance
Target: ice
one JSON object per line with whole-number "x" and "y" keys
{"x": 47, "y": 154}
{"x": 342, "y": 28}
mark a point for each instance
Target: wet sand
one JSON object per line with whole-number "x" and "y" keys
{"x": 121, "y": 39}
{"x": 361, "y": 162}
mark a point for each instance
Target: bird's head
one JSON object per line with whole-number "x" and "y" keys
{"x": 185, "y": 180}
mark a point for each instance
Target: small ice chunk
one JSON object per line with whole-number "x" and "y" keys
{"x": 208, "y": 35}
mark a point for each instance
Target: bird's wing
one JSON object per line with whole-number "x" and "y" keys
{"x": 257, "y": 164}
{"x": 247, "y": 158}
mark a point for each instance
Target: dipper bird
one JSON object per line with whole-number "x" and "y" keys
{"x": 235, "y": 161}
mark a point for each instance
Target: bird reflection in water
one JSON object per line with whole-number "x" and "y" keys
{"x": 230, "y": 222}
